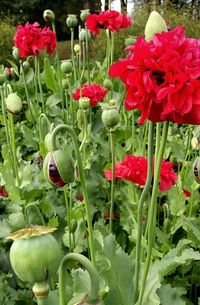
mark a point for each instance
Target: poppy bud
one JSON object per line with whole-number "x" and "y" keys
{"x": 47, "y": 142}
{"x": 82, "y": 35}
{"x": 77, "y": 48}
{"x": 26, "y": 66}
{"x": 58, "y": 167}
{"x": 65, "y": 84}
{"x": 72, "y": 21}
{"x": 13, "y": 103}
{"x": 107, "y": 83}
{"x": 84, "y": 103}
{"x": 15, "y": 53}
{"x": 155, "y": 24}
{"x": 66, "y": 66}
{"x": 73, "y": 225}
{"x": 49, "y": 16}
{"x": 196, "y": 169}
{"x": 195, "y": 143}
{"x": 84, "y": 14}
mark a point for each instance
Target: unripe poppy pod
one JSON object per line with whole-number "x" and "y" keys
{"x": 72, "y": 21}
{"x": 66, "y": 66}
{"x": 84, "y": 14}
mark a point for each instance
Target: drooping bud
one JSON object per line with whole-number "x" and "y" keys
{"x": 58, "y": 167}
{"x": 84, "y": 14}
{"x": 15, "y": 53}
{"x": 13, "y": 103}
{"x": 196, "y": 169}
{"x": 72, "y": 21}
{"x": 26, "y": 66}
{"x": 49, "y": 16}
{"x": 155, "y": 24}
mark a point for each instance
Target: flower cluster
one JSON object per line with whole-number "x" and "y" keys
{"x": 134, "y": 169}
{"x": 93, "y": 91}
{"x": 30, "y": 39}
{"x": 162, "y": 77}
{"x": 110, "y": 19}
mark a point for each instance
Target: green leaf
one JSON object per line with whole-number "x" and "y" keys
{"x": 117, "y": 270}
{"x": 53, "y": 99}
{"x": 169, "y": 295}
{"x": 49, "y": 76}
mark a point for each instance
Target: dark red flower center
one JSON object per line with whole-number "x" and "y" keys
{"x": 54, "y": 174}
{"x": 159, "y": 77}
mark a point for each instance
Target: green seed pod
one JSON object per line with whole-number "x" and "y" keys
{"x": 130, "y": 40}
{"x": 107, "y": 83}
{"x": 72, "y": 21}
{"x": 49, "y": 16}
{"x": 13, "y": 103}
{"x": 155, "y": 24}
{"x": 110, "y": 117}
{"x": 84, "y": 14}
{"x": 82, "y": 35}
{"x": 35, "y": 254}
{"x": 73, "y": 225}
{"x": 84, "y": 103}
{"x": 58, "y": 167}
{"x": 15, "y": 53}
{"x": 196, "y": 169}
{"x": 66, "y": 66}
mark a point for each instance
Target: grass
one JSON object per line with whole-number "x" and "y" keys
{"x": 64, "y": 49}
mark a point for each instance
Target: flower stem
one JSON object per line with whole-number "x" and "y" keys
{"x": 153, "y": 209}
{"x": 13, "y": 146}
{"x": 87, "y": 54}
{"x": 94, "y": 290}
{"x": 26, "y": 91}
{"x": 72, "y": 55}
{"x": 10, "y": 153}
{"x": 112, "y": 146}
{"x": 40, "y": 85}
{"x": 143, "y": 197}
{"x": 68, "y": 215}
{"x": 83, "y": 182}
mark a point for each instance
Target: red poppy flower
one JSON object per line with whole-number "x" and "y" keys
{"x": 93, "y": 91}
{"x": 30, "y": 39}
{"x": 162, "y": 77}
{"x": 186, "y": 193}
{"x": 134, "y": 168}
{"x": 3, "y": 193}
{"x": 110, "y": 19}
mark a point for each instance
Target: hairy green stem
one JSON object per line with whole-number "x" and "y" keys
{"x": 142, "y": 199}
{"x": 10, "y": 153}
{"x": 13, "y": 146}
{"x": 112, "y": 147}
{"x": 40, "y": 86}
{"x": 153, "y": 210}
{"x": 68, "y": 215}
{"x": 26, "y": 91}
{"x": 94, "y": 290}
{"x": 72, "y": 56}
{"x": 83, "y": 182}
